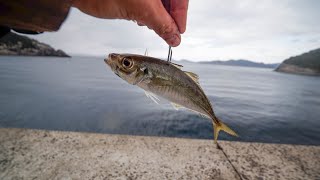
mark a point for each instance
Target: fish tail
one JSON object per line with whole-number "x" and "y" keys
{"x": 218, "y": 125}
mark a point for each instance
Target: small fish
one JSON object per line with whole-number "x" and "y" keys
{"x": 168, "y": 81}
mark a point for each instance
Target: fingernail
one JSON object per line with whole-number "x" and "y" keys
{"x": 174, "y": 40}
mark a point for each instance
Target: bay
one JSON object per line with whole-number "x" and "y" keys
{"x": 82, "y": 94}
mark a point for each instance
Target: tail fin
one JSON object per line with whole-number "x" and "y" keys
{"x": 220, "y": 126}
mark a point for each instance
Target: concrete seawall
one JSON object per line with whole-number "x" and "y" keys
{"x": 38, "y": 154}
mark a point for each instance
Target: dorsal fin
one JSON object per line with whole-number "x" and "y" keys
{"x": 176, "y": 65}
{"x": 193, "y": 76}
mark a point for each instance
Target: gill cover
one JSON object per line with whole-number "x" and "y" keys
{"x": 133, "y": 72}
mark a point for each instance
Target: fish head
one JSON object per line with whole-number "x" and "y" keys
{"x": 128, "y": 67}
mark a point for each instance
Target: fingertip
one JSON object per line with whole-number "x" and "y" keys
{"x": 163, "y": 24}
{"x": 182, "y": 30}
{"x": 174, "y": 40}
{"x": 181, "y": 22}
{"x": 179, "y": 14}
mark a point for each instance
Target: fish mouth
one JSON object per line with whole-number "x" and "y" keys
{"x": 113, "y": 66}
{"x": 111, "y": 57}
{"x": 107, "y": 61}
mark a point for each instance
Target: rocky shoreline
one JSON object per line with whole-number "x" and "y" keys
{"x": 17, "y": 45}
{"x": 305, "y": 64}
{"x": 294, "y": 69}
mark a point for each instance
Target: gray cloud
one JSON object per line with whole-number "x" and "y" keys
{"x": 266, "y": 30}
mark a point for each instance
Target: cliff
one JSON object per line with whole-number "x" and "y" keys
{"x": 14, "y": 44}
{"x": 306, "y": 64}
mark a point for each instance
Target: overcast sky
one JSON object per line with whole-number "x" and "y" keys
{"x": 263, "y": 31}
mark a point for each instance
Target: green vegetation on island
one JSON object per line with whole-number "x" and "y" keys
{"x": 307, "y": 64}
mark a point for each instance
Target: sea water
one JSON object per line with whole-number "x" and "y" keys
{"x": 82, "y": 94}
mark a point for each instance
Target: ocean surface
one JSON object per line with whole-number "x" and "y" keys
{"x": 82, "y": 94}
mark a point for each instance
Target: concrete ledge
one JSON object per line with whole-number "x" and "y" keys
{"x": 38, "y": 154}
{"x": 273, "y": 161}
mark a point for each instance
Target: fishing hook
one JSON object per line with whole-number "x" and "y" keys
{"x": 169, "y": 55}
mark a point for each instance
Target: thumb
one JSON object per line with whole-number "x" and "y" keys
{"x": 162, "y": 23}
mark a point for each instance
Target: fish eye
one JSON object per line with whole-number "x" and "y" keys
{"x": 127, "y": 63}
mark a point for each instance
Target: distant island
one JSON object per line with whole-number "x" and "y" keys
{"x": 240, "y": 62}
{"x": 15, "y": 44}
{"x": 306, "y": 64}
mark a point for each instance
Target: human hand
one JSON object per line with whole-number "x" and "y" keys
{"x": 145, "y": 12}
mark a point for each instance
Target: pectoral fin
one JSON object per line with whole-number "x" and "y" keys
{"x": 138, "y": 80}
{"x": 153, "y": 97}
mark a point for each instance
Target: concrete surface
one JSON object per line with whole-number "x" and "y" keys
{"x": 273, "y": 161}
{"x": 38, "y": 154}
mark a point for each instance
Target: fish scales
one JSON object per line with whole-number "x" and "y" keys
{"x": 167, "y": 81}
{"x": 180, "y": 84}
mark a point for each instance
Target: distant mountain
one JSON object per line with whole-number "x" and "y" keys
{"x": 241, "y": 62}
{"x": 14, "y": 44}
{"x": 185, "y": 61}
{"x": 306, "y": 64}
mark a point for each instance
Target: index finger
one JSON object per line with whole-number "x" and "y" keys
{"x": 178, "y": 12}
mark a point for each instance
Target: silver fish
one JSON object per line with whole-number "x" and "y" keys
{"x": 168, "y": 81}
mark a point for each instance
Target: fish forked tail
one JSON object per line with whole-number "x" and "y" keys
{"x": 221, "y": 126}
